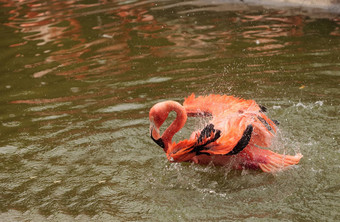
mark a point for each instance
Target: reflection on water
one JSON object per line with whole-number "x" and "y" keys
{"x": 77, "y": 81}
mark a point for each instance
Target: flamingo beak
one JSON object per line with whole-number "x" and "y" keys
{"x": 154, "y": 133}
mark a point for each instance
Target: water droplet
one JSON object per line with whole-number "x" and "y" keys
{"x": 107, "y": 36}
{"x": 320, "y": 103}
{"x": 75, "y": 89}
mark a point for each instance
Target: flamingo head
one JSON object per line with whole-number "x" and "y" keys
{"x": 157, "y": 117}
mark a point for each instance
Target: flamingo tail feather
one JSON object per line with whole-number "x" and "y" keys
{"x": 276, "y": 162}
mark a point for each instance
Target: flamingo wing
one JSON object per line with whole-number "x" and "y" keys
{"x": 186, "y": 149}
{"x": 212, "y": 105}
{"x": 208, "y": 142}
{"x": 229, "y": 112}
{"x": 230, "y": 141}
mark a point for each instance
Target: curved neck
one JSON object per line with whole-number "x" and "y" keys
{"x": 176, "y": 125}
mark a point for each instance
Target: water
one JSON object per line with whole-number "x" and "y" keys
{"x": 77, "y": 80}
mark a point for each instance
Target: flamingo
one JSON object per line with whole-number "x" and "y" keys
{"x": 236, "y": 136}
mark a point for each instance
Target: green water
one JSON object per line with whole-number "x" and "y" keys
{"x": 77, "y": 79}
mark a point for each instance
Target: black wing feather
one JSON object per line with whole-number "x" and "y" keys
{"x": 206, "y": 133}
{"x": 243, "y": 142}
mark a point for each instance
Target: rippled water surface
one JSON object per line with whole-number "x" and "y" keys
{"x": 77, "y": 79}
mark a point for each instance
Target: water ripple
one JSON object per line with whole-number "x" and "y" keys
{"x": 78, "y": 79}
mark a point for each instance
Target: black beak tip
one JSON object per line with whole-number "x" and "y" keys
{"x": 159, "y": 142}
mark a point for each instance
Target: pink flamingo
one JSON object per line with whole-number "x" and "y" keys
{"x": 233, "y": 137}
